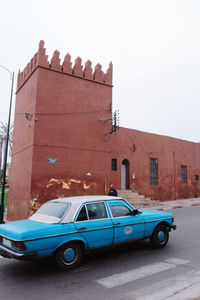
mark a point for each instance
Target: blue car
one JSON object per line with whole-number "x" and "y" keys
{"x": 65, "y": 228}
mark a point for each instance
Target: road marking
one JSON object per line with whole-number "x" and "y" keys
{"x": 183, "y": 287}
{"x": 139, "y": 273}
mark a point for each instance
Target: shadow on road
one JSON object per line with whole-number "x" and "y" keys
{"x": 37, "y": 269}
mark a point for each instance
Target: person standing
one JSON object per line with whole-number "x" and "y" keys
{"x": 112, "y": 191}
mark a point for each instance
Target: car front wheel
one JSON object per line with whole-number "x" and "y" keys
{"x": 160, "y": 236}
{"x": 68, "y": 256}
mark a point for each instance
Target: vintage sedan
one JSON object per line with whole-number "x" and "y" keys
{"x": 67, "y": 227}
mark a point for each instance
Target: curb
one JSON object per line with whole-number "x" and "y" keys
{"x": 165, "y": 208}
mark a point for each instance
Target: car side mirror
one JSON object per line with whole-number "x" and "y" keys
{"x": 135, "y": 212}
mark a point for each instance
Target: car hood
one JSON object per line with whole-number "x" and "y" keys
{"x": 149, "y": 214}
{"x": 27, "y": 230}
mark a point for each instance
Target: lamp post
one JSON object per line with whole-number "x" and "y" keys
{"x": 6, "y": 150}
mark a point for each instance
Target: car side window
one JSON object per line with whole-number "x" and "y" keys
{"x": 97, "y": 211}
{"x": 120, "y": 211}
{"x": 82, "y": 216}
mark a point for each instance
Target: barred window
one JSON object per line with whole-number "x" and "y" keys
{"x": 153, "y": 171}
{"x": 114, "y": 164}
{"x": 184, "y": 174}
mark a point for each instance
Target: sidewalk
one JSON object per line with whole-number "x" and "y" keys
{"x": 166, "y": 205}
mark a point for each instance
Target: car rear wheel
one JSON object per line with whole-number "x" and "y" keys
{"x": 68, "y": 256}
{"x": 160, "y": 236}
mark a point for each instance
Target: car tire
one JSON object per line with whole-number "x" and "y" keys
{"x": 160, "y": 236}
{"x": 68, "y": 256}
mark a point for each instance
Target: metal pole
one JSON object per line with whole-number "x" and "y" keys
{"x": 5, "y": 156}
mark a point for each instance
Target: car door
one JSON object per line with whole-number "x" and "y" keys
{"x": 126, "y": 226}
{"x": 94, "y": 224}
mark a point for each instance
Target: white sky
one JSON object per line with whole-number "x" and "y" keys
{"x": 154, "y": 46}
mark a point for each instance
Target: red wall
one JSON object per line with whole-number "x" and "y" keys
{"x": 70, "y": 121}
{"x": 20, "y": 174}
{"x": 138, "y": 147}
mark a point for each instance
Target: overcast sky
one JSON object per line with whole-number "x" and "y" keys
{"x": 154, "y": 46}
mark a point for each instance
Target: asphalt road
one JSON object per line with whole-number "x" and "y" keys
{"x": 136, "y": 271}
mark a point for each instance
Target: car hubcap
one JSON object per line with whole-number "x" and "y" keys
{"x": 161, "y": 236}
{"x": 69, "y": 255}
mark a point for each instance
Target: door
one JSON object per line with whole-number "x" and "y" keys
{"x": 123, "y": 177}
{"x": 126, "y": 226}
{"x": 125, "y": 174}
{"x": 94, "y": 225}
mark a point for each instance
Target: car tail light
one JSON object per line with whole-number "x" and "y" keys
{"x": 18, "y": 245}
{"x": 173, "y": 219}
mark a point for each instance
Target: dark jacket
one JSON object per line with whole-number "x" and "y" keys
{"x": 113, "y": 192}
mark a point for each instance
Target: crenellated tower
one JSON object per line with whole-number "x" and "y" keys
{"x": 60, "y": 143}
{"x": 40, "y": 59}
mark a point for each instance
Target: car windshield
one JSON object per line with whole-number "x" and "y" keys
{"x": 53, "y": 209}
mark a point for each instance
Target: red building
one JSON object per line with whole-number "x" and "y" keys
{"x": 64, "y": 142}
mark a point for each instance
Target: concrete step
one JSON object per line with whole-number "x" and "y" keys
{"x": 137, "y": 200}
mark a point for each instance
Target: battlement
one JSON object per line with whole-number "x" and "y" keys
{"x": 41, "y": 59}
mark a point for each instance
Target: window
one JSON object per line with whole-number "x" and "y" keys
{"x": 97, "y": 211}
{"x": 82, "y": 215}
{"x": 196, "y": 177}
{"x": 114, "y": 164}
{"x": 120, "y": 211}
{"x": 54, "y": 209}
{"x": 153, "y": 171}
{"x": 184, "y": 174}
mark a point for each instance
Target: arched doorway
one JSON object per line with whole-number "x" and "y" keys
{"x": 125, "y": 175}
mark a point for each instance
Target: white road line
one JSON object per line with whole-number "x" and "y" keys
{"x": 132, "y": 275}
{"x": 183, "y": 287}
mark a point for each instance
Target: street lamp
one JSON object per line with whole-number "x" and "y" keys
{"x": 6, "y": 150}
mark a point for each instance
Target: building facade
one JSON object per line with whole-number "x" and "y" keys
{"x": 65, "y": 142}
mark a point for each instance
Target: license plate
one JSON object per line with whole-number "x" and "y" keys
{"x": 6, "y": 242}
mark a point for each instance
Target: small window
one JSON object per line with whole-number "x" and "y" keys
{"x": 120, "y": 211}
{"x": 82, "y": 215}
{"x": 196, "y": 177}
{"x": 97, "y": 211}
{"x": 153, "y": 171}
{"x": 184, "y": 174}
{"x": 114, "y": 164}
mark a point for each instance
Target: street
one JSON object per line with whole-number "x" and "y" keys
{"x": 135, "y": 271}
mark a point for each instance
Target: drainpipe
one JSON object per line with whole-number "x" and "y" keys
{"x": 174, "y": 176}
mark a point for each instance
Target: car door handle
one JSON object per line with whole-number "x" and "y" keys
{"x": 117, "y": 223}
{"x": 81, "y": 228}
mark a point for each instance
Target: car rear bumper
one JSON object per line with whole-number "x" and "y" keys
{"x": 8, "y": 253}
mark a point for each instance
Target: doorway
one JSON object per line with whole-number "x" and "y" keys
{"x": 125, "y": 175}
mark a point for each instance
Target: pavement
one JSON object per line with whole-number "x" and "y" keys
{"x": 174, "y": 204}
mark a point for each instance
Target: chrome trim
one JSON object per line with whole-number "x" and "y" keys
{"x": 159, "y": 220}
{"x": 17, "y": 254}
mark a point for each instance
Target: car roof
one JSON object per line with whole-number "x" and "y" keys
{"x": 75, "y": 204}
{"x": 81, "y": 199}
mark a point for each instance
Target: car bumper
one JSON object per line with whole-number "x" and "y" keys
{"x": 173, "y": 227}
{"x": 8, "y": 253}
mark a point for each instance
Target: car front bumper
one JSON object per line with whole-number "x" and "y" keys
{"x": 9, "y": 253}
{"x": 173, "y": 227}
